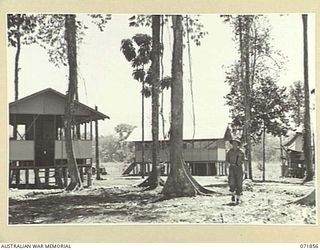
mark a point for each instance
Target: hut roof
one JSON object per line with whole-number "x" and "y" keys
{"x": 295, "y": 143}
{"x": 203, "y": 134}
{"x": 52, "y": 102}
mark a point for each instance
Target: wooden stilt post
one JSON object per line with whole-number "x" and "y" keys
{"x": 223, "y": 170}
{"x": 91, "y": 136}
{"x": 47, "y": 176}
{"x": 18, "y": 174}
{"x": 78, "y": 132}
{"x": 57, "y": 174}
{"x": 27, "y": 177}
{"x": 85, "y": 130}
{"x": 81, "y": 173}
{"x": 97, "y": 149}
{"x": 15, "y": 136}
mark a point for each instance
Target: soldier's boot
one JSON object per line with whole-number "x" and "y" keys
{"x": 237, "y": 199}
{"x": 233, "y": 197}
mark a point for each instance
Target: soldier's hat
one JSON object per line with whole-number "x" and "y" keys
{"x": 235, "y": 140}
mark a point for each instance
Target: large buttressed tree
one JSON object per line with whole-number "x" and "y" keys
{"x": 180, "y": 182}
{"x": 60, "y": 34}
{"x": 156, "y": 80}
{"x": 307, "y": 126}
{"x": 310, "y": 198}
{"x": 71, "y": 46}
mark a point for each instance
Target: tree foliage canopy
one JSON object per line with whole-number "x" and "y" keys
{"x": 268, "y": 102}
{"x": 137, "y": 51}
{"x": 115, "y": 147}
{"x": 296, "y": 100}
{"x": 22, "y": 25}
{"x": 51, "y": 28}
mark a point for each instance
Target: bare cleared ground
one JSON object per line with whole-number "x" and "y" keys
{"x": 116, "y": 200}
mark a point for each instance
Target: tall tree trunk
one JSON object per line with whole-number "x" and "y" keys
{"x": 98, "y": 177}
{"x": 281, "y": 157}
{"x": 162, "y": 73}
{"x": 153, "y": 180}
{"x": 142, "y": 132}
{"x": 244, "y": 78}
{"x": 307, "y": 128}
{"x": 70, "y": 36}
{"x": 299, "y": 114}
{"x": 16, "y": 65}
{"x": 264, "y": 155}
{"x": 247, "y": 120}
{"x": 16, "y": 85}
{"x": 180, "y": 182}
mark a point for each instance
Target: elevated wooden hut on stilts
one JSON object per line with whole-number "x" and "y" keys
{"x": 37, "y": 155}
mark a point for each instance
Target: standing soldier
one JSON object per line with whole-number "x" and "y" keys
{"x": 235, "y": 159}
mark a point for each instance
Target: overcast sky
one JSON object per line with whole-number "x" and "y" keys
{"x": 106, "y": 77}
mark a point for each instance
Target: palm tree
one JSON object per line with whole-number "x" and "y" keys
{"x": 154, "y": 180}
{"x": 139, "y": 58}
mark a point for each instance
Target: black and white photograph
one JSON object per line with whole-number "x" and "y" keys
{"x": 161, "y": 118}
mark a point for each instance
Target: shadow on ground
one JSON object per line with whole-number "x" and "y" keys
{"x": 64, "y": 208}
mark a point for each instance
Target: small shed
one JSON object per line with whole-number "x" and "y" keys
{"x": 294, "y": 162}
{"x": 37, "y": 155}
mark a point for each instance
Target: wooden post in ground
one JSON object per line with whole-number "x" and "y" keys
{"x": 65, "y": 176}
{"x": 97, "y": 149}
{"x": 223, "y": 170}
{"x": 89, "y": 175}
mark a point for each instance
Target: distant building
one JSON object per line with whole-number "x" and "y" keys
{"x": 204, "y": 157}
{"x": 37, "y": 152}
{"x": 294, "y": 161}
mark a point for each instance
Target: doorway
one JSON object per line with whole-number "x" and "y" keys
{"x": 44, "y": 141}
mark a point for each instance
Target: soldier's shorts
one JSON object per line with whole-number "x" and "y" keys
{"x": 235, "y": 179}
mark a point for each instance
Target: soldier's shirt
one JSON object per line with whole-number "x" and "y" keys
{"x": 235, "y": 157}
